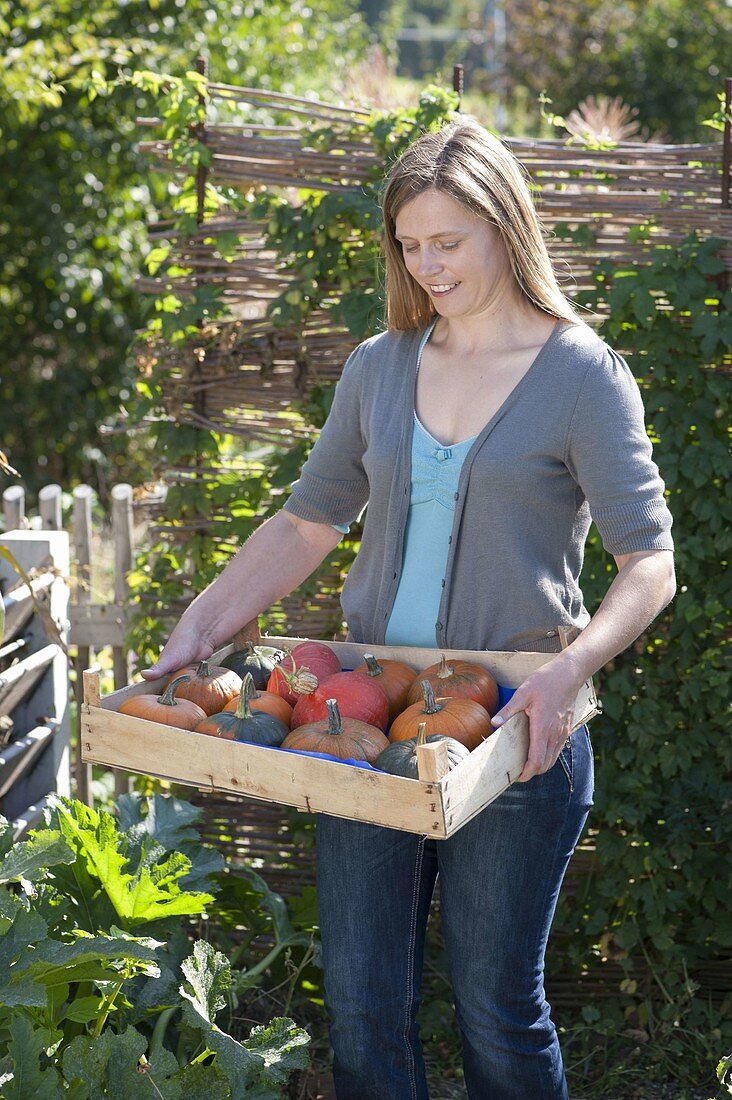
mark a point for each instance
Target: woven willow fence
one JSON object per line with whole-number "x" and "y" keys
{"x": 245, "y": 381}
{"x": 241, "y": 374}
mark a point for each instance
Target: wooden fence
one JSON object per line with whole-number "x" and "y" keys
{"x": 93, "y": 624}
{"x": 34, "y": 711}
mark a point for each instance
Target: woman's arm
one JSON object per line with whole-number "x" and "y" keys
{"x": 277, "y": 557}
{"x": 644, "y": 584}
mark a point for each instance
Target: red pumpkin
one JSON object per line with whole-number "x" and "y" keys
{"x": 306, "y": 665}
{"x": 356, "y": 695}
{"x": 463, "y": 719}
{"x": 393, "y": 677}
{"x": 347, "y": 738}
{"x": 458, "y": 680}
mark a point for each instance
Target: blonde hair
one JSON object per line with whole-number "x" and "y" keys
{"x": 468, "y": 163}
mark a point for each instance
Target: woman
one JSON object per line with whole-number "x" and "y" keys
{"x": 482, "y": 429}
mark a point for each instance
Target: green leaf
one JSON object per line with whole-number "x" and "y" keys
{"x": 282, "y": 1046}
{"x": 29, "y": 858}
{"x": 151, "y": 892}
{"x": 25, "y": 1049}
{"x": 209, "y": 977}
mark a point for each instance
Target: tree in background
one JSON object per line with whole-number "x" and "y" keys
{"x": 645, "y": 51}
{"x": 76, "y": 197}
{"x": 513, "y": 51}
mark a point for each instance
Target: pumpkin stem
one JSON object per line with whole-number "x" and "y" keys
{"x": 168, "y": 698}
{"x": 203, "y": 669}
{"x": 247, "y": 692}
{"x": 444, "y": 670}
{"x": 373, "y": 667}
{"x": 335, "y": 723}
{"x": 249, "y": 649}
{"x": 421, "y": 734}
{"x": 430, "y": 706}
{"x": 301, "y": 680}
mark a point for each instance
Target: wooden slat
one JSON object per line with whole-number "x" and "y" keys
{"x": 97, "y": 625}
{"x": 19, "y": 603}
{"x": 307, "y": 783}
{"x": 18, "y": 680}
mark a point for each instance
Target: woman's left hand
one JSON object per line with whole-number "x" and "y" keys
{"x": 547, "y": 697}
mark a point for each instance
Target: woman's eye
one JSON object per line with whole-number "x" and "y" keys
{"x": 409, "y": 248}
{"x": 450, "y": 246}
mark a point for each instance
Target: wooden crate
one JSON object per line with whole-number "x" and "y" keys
{"x": 432, "y": 805}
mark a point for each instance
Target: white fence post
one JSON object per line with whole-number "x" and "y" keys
{"x": 49, "y": 506}
{"x": 122, "y": 534}
{"x": 14, "y": 507}
{"x": 82, "y": 552}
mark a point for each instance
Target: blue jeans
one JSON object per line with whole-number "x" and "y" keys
{"x": 499, "y": 881}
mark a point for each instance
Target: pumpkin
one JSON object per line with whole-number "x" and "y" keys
{"x": 266, "y": 702}
{"x": 401, "y": 757}
{"x": 257, "y": 660}
{"x": 452, "y": 679}
{"x": 393, "y": 677}
{"x": 244, "y": 724}
{"x": 165, "y": 708}
{"x": 347, "y": 738}
{"x": 463, "y": 719}
{"x": 305, "y": 666}
{"x": 210, "y": 686}
{"x": 357, "y": 697}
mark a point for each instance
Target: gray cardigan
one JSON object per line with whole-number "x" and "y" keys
{"x": 568, "y": 443}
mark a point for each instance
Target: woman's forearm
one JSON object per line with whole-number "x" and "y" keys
{"x": 643, "y": 586}
{"x": 278, "y": 556}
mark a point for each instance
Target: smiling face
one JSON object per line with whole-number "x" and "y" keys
{"x": 458, "y": 258}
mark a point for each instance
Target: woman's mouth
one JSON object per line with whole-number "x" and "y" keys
{"x": 439, "y": 290}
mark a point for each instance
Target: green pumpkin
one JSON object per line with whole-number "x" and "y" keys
{"x": 256, "y": 660}
{"x": 401, "y": 756}
{"x": 244, "y": 724}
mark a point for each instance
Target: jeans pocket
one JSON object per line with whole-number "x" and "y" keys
{"x": 565, "y": 759}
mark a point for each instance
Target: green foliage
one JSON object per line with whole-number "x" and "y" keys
{"x": 658, "y": 903}
{"x": 73, "y": 212}
{"x": 634, "y": 50}
{"x": 87, "y": 1007}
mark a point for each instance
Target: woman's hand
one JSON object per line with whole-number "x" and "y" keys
{"x": 184, "y": 647}
{"x": 548, "y": 698}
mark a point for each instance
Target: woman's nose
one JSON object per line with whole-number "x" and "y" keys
{"x": 429, "y": 262}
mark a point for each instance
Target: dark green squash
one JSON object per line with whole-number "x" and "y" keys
{"x": 258, "y": 661}
{"x": 401, "y": 757}
{"x": 244, "y": 724}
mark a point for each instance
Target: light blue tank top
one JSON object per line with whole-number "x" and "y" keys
{"x": 435, "y": 476}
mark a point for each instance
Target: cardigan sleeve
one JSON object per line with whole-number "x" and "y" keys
{"x": 609, "y": 454}
{"x": 333, "y": 487}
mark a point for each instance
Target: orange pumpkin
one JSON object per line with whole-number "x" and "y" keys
{"x": 267, "y": 702}
{"x": 165, "y": 708}
{"x": 348, "y": 738}
{"x": 210, "y": 686}
{"x": 463, "y": 719}
{"x": 393, "y": 677}
{"x": 458, "y": 680}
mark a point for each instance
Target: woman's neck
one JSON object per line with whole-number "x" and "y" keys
{"x": 497, "y": 330}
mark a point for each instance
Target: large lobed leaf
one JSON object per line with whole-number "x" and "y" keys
{"x": 139, "y": 895}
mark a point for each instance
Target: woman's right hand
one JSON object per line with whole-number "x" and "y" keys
{"x": 185, "y": 646}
